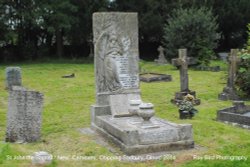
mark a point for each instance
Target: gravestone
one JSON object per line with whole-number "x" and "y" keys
{"x": 161, "y": 58}
{"x": 182, "y": 64}
{"x": 155, "y": 77}
{"x": 24, "y": 115}
{"x": 207, "y": 68}
{"x": 229, "y": 92}
{"x": 117, "y": 85}
{"x": 13, "y": 77}
{"x": 238, "y": 114}
{"x": 223, "y": 56}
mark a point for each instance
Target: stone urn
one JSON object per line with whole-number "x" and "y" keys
{"x": 134, "y": 106}
{"x": 146, "y": 111}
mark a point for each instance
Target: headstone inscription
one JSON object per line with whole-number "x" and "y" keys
{"x": 182, "y": 64}
{"x": 24, "y": 115}
{"x": 117, "y": 88}
{"x": 229, "y": 92}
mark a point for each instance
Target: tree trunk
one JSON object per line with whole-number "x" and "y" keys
{"x": 59, "y": 43}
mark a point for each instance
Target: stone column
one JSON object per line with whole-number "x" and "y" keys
{"x": 24, "y": 115}
{"x": 233, "y": 60}
{"x": 183, "y": 69}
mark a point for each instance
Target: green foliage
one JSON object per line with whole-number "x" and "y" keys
{"x": 243, "y": 76}
{"x": 67, "y": 110}
{"x": 248, "y": 41}
{"x": 194, "y": 29}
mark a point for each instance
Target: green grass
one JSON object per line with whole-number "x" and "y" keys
{"x": 67, "y": 108}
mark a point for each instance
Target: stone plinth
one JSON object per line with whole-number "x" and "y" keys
{"x": 154, "y": 77}
{"x": 179, "y": 96}
{"x": 228, "y": 93}
{"x": 126, "y": 132}
{"x": 24, "y": 115}
{"x": 238, "y": 114}
{"x": 13, "y": 77}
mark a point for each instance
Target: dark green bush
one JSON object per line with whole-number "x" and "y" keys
{"x": 194, "y": 29}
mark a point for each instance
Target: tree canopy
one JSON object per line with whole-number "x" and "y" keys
{"x": 31, "y": 29}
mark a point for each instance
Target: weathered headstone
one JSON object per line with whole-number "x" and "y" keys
{"x": 13, "y": 77}
{"x": 24, "y": 115}
{"x": 117, "y": 84}
{"x": 161, "y": 58}
{"x": 229, "y": 92}
{"x": 182, "y": 63}
{"x": 223, "y": 56}
{"x": 155, "y": 77}
{"x": 238, "y": 114}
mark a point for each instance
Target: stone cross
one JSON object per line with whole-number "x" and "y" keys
{"x": 233, "y": 60}
{"x": 189, "y": 60}
{"x": 161, "y": 58}
{"x": 183, "y": 67}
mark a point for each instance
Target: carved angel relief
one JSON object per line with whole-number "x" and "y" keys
{"x": 110, "y": 47}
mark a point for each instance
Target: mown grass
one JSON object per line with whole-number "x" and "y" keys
{"x": 67, "y": 108}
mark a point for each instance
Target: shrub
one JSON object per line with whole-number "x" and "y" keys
{"x": 243, "y": 76}
{"x": 194, "y": 29}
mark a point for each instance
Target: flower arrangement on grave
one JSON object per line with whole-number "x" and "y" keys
{"x": 186, "y": 107}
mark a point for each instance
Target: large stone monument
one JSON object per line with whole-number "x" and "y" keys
{"x": 229, "y": 92}
{"x": 182, "y": 64}
{"x": 118, "y": 114}
{"x": 24, "y": 115}
{"x": 13, "y": 77}
{"x": 161, "y": 57}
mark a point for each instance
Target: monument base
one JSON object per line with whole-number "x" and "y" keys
{"x": 238, "y": 114}
{"x": 154, "y": 77}
{"x": 132, "y": 138}
{"x": 179, "y": 96}
{"x": 228, "y": 94}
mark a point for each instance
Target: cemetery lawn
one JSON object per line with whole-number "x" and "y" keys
{"x": 67, "y": 109}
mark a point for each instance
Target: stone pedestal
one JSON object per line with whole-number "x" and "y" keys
{"x": 179, "y": 96}
{"x": 228, "y": 94}
{"x": 24, "y": 115}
